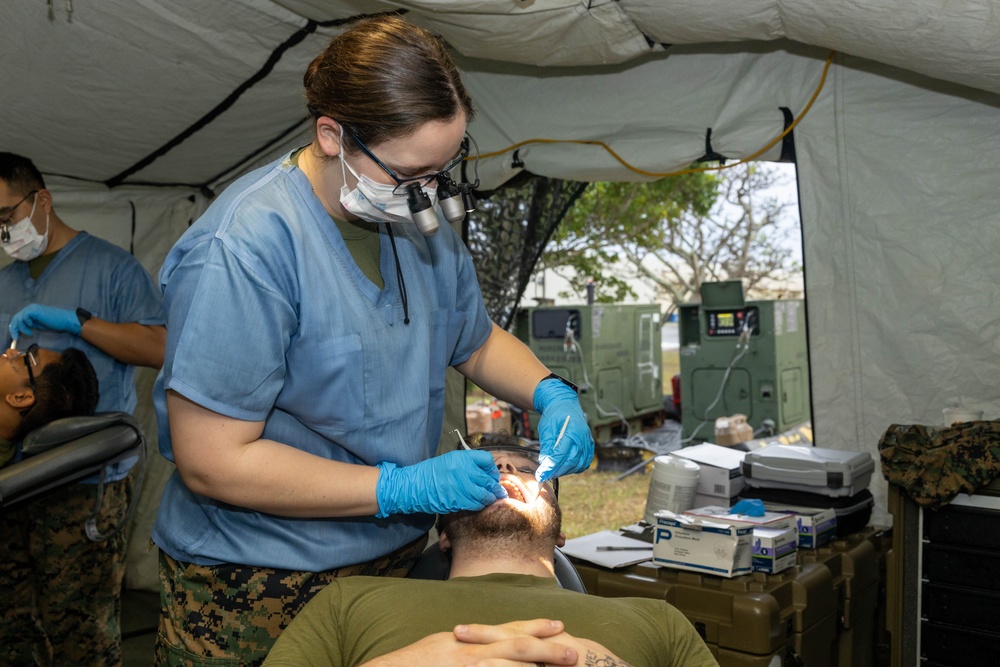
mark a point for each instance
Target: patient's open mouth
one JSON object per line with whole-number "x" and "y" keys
{"x": 516, "y": 490}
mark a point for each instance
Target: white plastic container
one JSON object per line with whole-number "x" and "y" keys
{"x": 671, "y": 486}
{"x": 954, "y": 416}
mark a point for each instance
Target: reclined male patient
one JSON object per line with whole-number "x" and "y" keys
{"x": 501, "y": 572}
{"x": 38, "y": 386}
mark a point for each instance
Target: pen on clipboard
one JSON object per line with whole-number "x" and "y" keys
{"x": 625, "y": 548}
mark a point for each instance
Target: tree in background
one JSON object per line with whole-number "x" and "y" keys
{"x": 674, "y": 233}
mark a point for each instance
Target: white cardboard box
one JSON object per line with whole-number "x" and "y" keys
{"x": 721, "y": 472}
{"x": 699, "y": 545}
{"x": 705, "y": 500}
{"x": 780, "y": 520}
{"x": 774, "y": 549}
{"x": 816, "y": 526}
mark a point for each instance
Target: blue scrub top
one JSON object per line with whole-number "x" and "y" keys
{"x": 271, "y": 320}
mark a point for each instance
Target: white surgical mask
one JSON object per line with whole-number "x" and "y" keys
{"x": 25, "y": 242}
{"x": 375, "y": 202}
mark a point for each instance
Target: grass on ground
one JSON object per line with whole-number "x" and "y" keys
{"x": 593, "y": 501}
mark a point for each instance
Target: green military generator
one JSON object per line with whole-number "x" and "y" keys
{"x": 612, "y": 352}
{"x": 742, "y": 357}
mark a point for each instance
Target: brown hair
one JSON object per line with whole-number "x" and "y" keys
{"x": 383, "y": 78}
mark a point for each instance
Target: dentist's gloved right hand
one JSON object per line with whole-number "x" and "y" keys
{"x": 459, "y": 480}
{"x": 35, "y": 316}
{"x": 556, "y": 402}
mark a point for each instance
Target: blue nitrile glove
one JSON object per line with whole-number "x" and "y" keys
{"x": 555, "y": 402}
{"x": 748, "y": 507}
{"x": 459, "y": 480}
{"x": 45, "y": 318}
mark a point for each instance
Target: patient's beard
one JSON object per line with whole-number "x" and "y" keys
{"x": 505, "y": 529}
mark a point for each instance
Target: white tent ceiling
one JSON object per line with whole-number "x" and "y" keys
{"x": 182, "y": 91}
{"x": 896, "y": 159}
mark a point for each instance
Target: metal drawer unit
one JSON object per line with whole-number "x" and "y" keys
{"x": 944, "y": 582}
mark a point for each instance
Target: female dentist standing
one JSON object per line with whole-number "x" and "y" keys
{"x": 310, "y": 323}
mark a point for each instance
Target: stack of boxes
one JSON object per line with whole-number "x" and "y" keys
{"x": 708, "y": 538}
{"x": 712, "y": 540}
{"x": 721, "y": 478}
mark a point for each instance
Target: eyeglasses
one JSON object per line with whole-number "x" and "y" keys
{"x": 8, "y": 211}
{"x": 30, "y": 360}
{"x": 402, "y": 184}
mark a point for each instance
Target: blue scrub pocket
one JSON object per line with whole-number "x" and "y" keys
{"x": 325, "y": 384}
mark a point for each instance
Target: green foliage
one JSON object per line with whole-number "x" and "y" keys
{"x": 673, "y": 233}
{"x": 608, "y": 215}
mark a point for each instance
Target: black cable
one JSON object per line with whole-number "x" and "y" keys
{"x": 399, "y": 276}
{"x": 131, "y": 242}
{"x": 296, "y": 38}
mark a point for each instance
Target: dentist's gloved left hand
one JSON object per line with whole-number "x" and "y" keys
{"x": 555, "y": 402}
{"x": 44, "y": 318}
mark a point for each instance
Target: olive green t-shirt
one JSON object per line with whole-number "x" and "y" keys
{"x": 356, "y": 619}
{"x": 362, "y": 240}
{"x": 39, "y": 264}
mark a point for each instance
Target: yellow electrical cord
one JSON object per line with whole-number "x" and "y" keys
{"x": 693, "y": 170}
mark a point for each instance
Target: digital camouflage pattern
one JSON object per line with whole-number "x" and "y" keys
{"x": 60, "y": 593}
{"x": 231, "y": 615}
{"x": 934, "y": 464}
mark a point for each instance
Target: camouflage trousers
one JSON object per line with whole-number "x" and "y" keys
{"x": 60, "y": 593}
{"x": 231, "y": 615}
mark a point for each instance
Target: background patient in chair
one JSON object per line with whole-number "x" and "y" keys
{"x": 38, "y": 386}
{"x": 501, "y": 573}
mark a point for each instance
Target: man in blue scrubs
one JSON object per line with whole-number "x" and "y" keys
{"x": 68, "y": 289}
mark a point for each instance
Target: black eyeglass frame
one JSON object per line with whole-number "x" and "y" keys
{"x": 403, "y": 184}
{"x": 7, "y": 211}
{"x": 29, "y": 361}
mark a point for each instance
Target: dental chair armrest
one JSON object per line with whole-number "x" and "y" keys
{"x": 73, "y": 448}
{"x": 60, "y": 431}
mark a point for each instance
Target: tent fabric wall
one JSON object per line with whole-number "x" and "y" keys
{"x": 901, "y": 221}
{"x": 897, "y": 193}
{"x": 94, "y": 96}
{"x": 658, "y": 111}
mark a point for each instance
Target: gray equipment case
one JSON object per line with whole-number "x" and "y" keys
{"x": 830, "y": 472}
